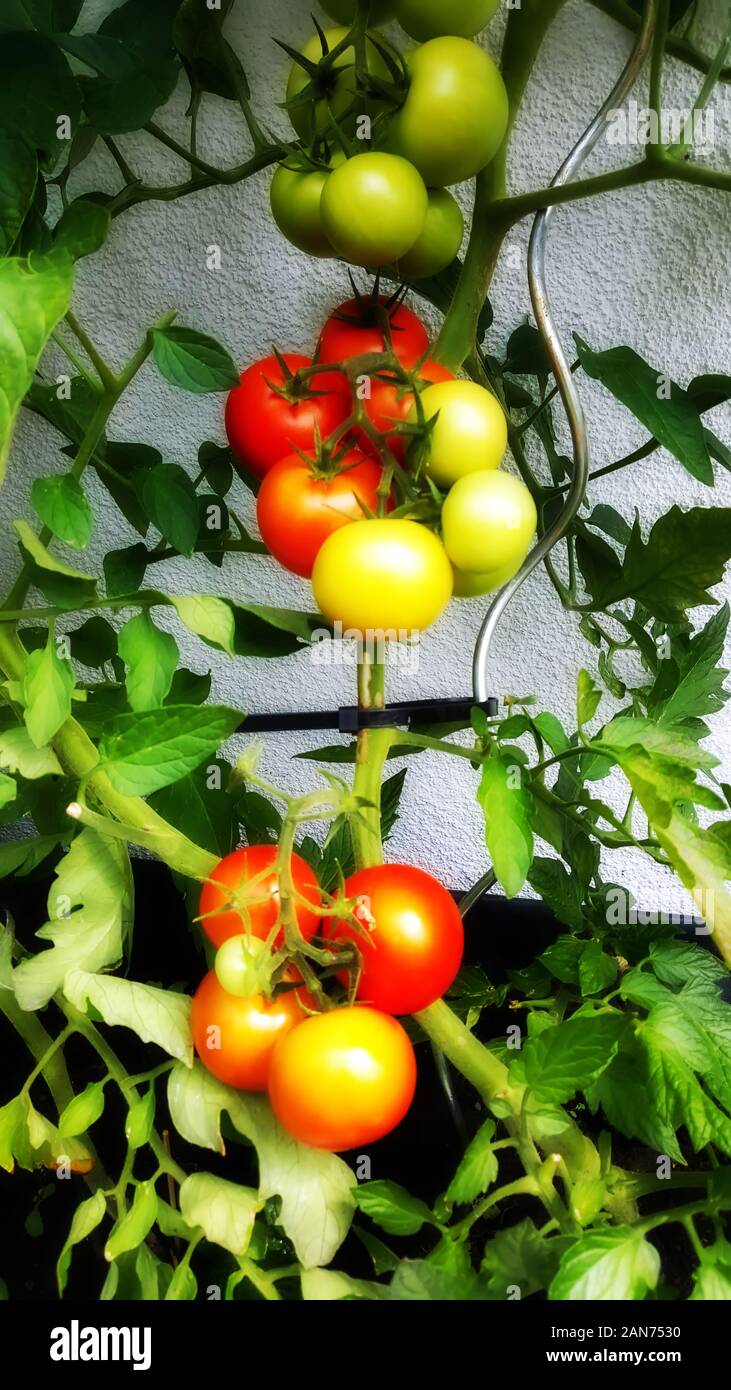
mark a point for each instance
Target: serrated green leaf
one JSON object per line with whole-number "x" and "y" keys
{"x": 143, "y": 752}
{"x": 316, "y": 1188}
{"x": 90, "y": 912}
{"x": 151, "y": 657}
{"x": 507, "y": 806}
{"x": 18, "y": 172}
{"x": 223, "y": 1210}
{"x": 478, "y": 1167}
{"x": 156, "y": 1015}
{"x": 47, "y": 688}
{"x": 569, "y": 1057}
{"x": 33, "y": 298}
{"x": 682, "y": 559}
{"x": 663, "y": 408}
{"x": 193, "y": 361}
{"x": 392, "y": 1208}
{"x": 607, "y": 1266}
{"x": 588, "y": 698}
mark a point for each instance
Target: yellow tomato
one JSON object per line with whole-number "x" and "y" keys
{"x": 471, "y": 433}
{"x": 469, "y": 584}
{"x": 488, "y": 522}
{"x": 386, "y": 577}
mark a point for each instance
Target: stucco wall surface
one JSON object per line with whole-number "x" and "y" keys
{"x": 647, "y": 267}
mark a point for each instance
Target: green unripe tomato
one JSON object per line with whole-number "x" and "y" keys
{"x": 470, "y": 433}
{"x": 455, "y": 115}
{"x": 295, "y": 198}
{"x": 488, "y": 522}
{"x": 339, "y": 85}
{"x": 373, "y": 208}
{"x": 439, "y": 240}
{"x": 470, "y": 584}
{"x": 344, "y": 11}
{"x": 430, "y": 19}
{"x": 238, "y": 965}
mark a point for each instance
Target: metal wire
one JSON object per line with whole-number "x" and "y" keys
{"x": 564, "y": 379}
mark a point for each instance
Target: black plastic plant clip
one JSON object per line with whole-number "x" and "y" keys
{"x": 351, "y": 719}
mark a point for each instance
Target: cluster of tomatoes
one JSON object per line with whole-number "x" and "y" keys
{"x": 354, "y": 469}
{"x": 434, "y": 118}
{"x": 338, "y": 1075}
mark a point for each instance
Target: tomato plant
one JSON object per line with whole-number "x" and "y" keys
{"x": 222, "y": 961}
{"x": 346, "y": 1079}
{"x": 409, "y": 932}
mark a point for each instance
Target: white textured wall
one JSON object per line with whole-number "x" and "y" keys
{"x": 645, "y": 267}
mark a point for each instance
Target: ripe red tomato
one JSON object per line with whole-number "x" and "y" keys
{"x": 343, "y": 1079}
{"x": 411, "y": 941}
{"x": 390, "y": 404}
{"x": 242, "y": 895}
{"x": 235, "y": 1038}
{"x": 298, "y": 508}
{"x": 263, "y": 425}
{"x": 354, "y": 329}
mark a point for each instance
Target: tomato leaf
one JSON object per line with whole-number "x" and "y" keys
{"x": 392, "y": 1207}
{"x": 36, "y": 86}
{"x": 169, "y": 498}
{"x": 316, "y": 1226}
{"x": 19, "y": 754}
{"x": 61, "y": 585}
{"x": 663, "y": 408}
{"x": 224, "y": 1211}
{"x": 124, "y": 570}
{"x": 61, "y": 504}
{"x": 143, "y": 752}
{"x": 47, "y": 688}
{"x": 151, "y": 657}
{"x": 193, "y": 361}
{"x": 507, "y": 806}
{"x": 478, "y": 1167}
{"x": 617, "y": 1263}
{"x": 82, "y": 228}
{"x": 18, "y": 171}
{"x": 33, "y": 297}
{"x": 89, "y": 908}
{"x": 683, "y": 557}
{"x": 156, "y": 1015}
{"x": 564, "y": 1059}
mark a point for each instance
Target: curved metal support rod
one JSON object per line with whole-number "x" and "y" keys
{"x": 564, "y": 379}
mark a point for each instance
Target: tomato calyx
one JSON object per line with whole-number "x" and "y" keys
{"x": 295, "y": 386}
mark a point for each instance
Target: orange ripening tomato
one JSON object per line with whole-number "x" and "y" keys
{"x": 343, "y": 1078}
{"x": 235, "y": 1038}
{"x": 242, "y": 895}
{"x": 299, "y": 506}
{"x": 267, "y": 416}
{"x": 390, "y": 404}
{"x": 411, "y": 937}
